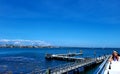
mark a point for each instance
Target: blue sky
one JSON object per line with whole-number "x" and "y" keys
{"x": 90, "y": 23}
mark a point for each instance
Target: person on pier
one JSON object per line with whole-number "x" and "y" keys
{"x": 115, "y": 56}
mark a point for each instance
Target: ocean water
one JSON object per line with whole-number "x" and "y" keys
{"x": 25, "y": 60}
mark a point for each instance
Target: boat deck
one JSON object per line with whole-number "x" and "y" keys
{"x": 113, "y": 68}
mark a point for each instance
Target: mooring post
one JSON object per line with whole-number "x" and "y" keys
{"x": 81, "y": 51}
{"x": 95, "y": 55}
{"x": 48, "y": 71}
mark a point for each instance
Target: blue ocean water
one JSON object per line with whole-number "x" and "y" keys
{"x": 26, "y": 60}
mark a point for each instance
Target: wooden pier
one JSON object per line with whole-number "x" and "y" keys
{"x": 73, "y": 67}
{"x": 53, "y": 56}
{"x": 64, "y": 57}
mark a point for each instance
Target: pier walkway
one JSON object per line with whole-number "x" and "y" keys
{"x": 73, "y": 66}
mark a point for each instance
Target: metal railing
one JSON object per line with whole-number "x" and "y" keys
{"x": 101, "y": 68}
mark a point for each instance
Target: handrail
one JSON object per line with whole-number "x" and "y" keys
{"x": 102, "y": 66}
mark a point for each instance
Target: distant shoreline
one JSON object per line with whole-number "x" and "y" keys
{"x": 13, "y": 46}
{"x": 26, "y": 46}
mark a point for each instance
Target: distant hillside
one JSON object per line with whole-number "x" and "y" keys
{"x": 23, "y": 43}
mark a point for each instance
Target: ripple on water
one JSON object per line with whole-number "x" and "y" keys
{"x": 18, "y": 64}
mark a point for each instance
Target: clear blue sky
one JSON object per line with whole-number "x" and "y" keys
{"x": 62, "y": 22}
